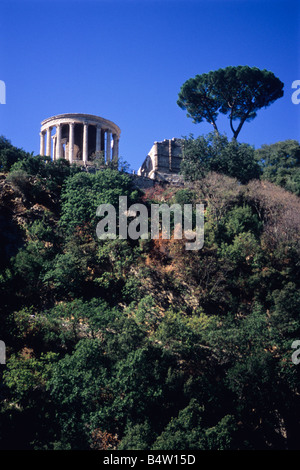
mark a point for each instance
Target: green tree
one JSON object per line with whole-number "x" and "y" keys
{"x": 184, "y": 431}
{"x": 48, "y": 174}
{"x": 238, "y": 220}
{"x": 84, "y": 192}
{"x": 188, "y": 431}
{"x": 27, "y": 421}
{"x": 280, "y": 164}
{"x": 215, "y": 153}
{"x": 9, "y": 154}
{"x": 146, "y": 386}
{"x": 116, "y": 259}
{"x": 78, "y": 387}
{"x": 138, "y": 437}
{"x": 66, "y": 274}
{"x": 28, "y": 266}
{"x": 238, "y": 92}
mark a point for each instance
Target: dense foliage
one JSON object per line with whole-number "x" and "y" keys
{"x": 215, "y": 153}
{"x": 140, "y": 344}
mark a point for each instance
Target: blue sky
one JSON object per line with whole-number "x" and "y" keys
{"x": 125, "y": 60}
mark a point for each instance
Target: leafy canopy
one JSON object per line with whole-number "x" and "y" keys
{"x": 238, "y": 92}
{"x": 280, "y": 164}
{"x": 215, "y": 153}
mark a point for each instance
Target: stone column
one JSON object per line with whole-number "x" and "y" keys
{"x": 85, "y": 143}
{"x": 42, "y": 143}
{"x": 48, "y": 147}
{"x": 108, "y": 146}
{"x": 115, "y": 148}
{"x": 98, "y": 140}
{"x": 103, "y": 142}
{"x": 58, "y": 141}
{"x": 54, "y": 147}
{"x": 71, "y": 141}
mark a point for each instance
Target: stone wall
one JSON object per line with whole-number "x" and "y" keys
{"x": 164, "y": 158}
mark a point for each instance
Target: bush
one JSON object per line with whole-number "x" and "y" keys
{"x": 20, "y": 181}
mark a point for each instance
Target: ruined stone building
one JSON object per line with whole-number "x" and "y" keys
{"x": 163, "y": 160}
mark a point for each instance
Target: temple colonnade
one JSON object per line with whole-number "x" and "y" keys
{"x": 80, "y": 138}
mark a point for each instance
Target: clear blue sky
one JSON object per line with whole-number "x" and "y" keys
{"x": 125, "y": 60}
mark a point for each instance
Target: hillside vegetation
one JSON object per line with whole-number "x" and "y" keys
{"x": 141, "y": 344}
